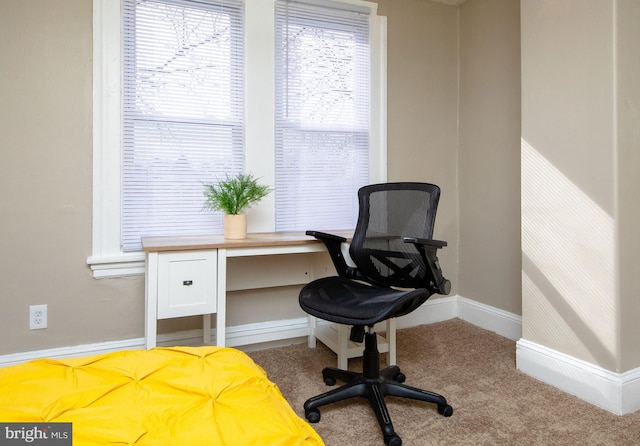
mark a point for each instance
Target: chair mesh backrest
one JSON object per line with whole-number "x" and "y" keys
{"x": 388, "y": 212}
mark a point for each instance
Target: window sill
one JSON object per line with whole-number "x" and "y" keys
{"x": 130, "y": 264}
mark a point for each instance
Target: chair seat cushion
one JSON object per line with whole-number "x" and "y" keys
{"x": 164, "y": 396}
{"x": 350, "y": 302}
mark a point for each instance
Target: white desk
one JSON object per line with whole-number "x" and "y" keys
{"x": 187, "y": 276}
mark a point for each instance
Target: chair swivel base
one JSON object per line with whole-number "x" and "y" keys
{"x": 373, "y": 384}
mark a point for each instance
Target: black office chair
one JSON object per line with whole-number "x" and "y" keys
{"x": 396, "y": 271}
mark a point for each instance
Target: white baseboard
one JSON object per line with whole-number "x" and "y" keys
{"x": 236, "y": 336}
{"x": 433, "y": 310}
{"x": 266, "y": 332}
{"x": 490, "y": 318}
{"x": 72, "y": 351}
{"x": 618, "y": 393}
{"x": 615, "y": 392}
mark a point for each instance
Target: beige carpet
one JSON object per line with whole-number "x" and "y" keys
{"x": 494, "y": 403}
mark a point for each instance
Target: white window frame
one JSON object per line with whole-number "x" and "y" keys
{"x": 107, "y": 259}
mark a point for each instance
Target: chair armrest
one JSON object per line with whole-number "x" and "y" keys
{"x": 322, "y": 236}
{"x": 425, "y": 241}
{"x": 428, "y": 250}
{"x": 333, "y": 244}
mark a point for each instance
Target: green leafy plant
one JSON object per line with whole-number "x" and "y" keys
{"x": 234, "y": 194}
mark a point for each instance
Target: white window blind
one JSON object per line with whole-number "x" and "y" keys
{"x": 182, "y": 113}
{"x": 322, "y": 63}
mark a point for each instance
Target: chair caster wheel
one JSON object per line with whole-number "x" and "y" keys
{"x": 400, "y": 378}
{"x": 329, "y": 381}
{"x": 445, "y": 410}
{"x": 313, "y": 415}
{"x": 393, "y": 440}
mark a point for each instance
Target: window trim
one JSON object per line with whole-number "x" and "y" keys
{"x": 107, "y": 259}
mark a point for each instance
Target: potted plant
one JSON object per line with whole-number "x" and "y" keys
{"x": 232, "y": 196}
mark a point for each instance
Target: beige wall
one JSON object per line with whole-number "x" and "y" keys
{"x": 46, "y": 171}
{"x": 628, "y": 168}
{"x": 579, "y": 179}
{"x": 422, "y": 108}
{"x": 489, "y": 153}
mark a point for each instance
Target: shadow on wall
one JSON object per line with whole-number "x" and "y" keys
{"x": 568, "y": 283}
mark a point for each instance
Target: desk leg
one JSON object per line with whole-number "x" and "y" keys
{"x": 344, "y": 334}
{"x": 151, "y": 300}
{"x": 221, "y": 310}
{"x": 312, "y": 331}
{"x": 206, "y": 328}
{"x": 391, "y": 339}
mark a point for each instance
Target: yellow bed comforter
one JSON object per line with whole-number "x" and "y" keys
{"x": 188, "y": 396}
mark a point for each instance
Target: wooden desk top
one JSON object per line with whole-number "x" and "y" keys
{"x": 253, "y": 240}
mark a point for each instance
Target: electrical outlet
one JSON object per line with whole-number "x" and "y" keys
{"x": 37, "y": 317}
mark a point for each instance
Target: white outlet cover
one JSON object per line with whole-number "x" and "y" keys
{"x": 37, "y": 317}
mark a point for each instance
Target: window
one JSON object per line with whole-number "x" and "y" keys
{"x": 322, "y": 114}
{"x": 214, "y": 97}
{"x": 182, "y": 113}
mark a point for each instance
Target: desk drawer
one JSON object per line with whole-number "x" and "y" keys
{"x": 186, "y": 283}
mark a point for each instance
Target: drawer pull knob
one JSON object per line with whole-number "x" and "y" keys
{"x": 187, "y": 282}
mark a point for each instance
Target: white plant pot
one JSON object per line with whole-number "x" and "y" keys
{"x": 235, "y": 226}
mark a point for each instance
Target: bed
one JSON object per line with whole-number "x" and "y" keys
{"x": 163, "y": 396}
